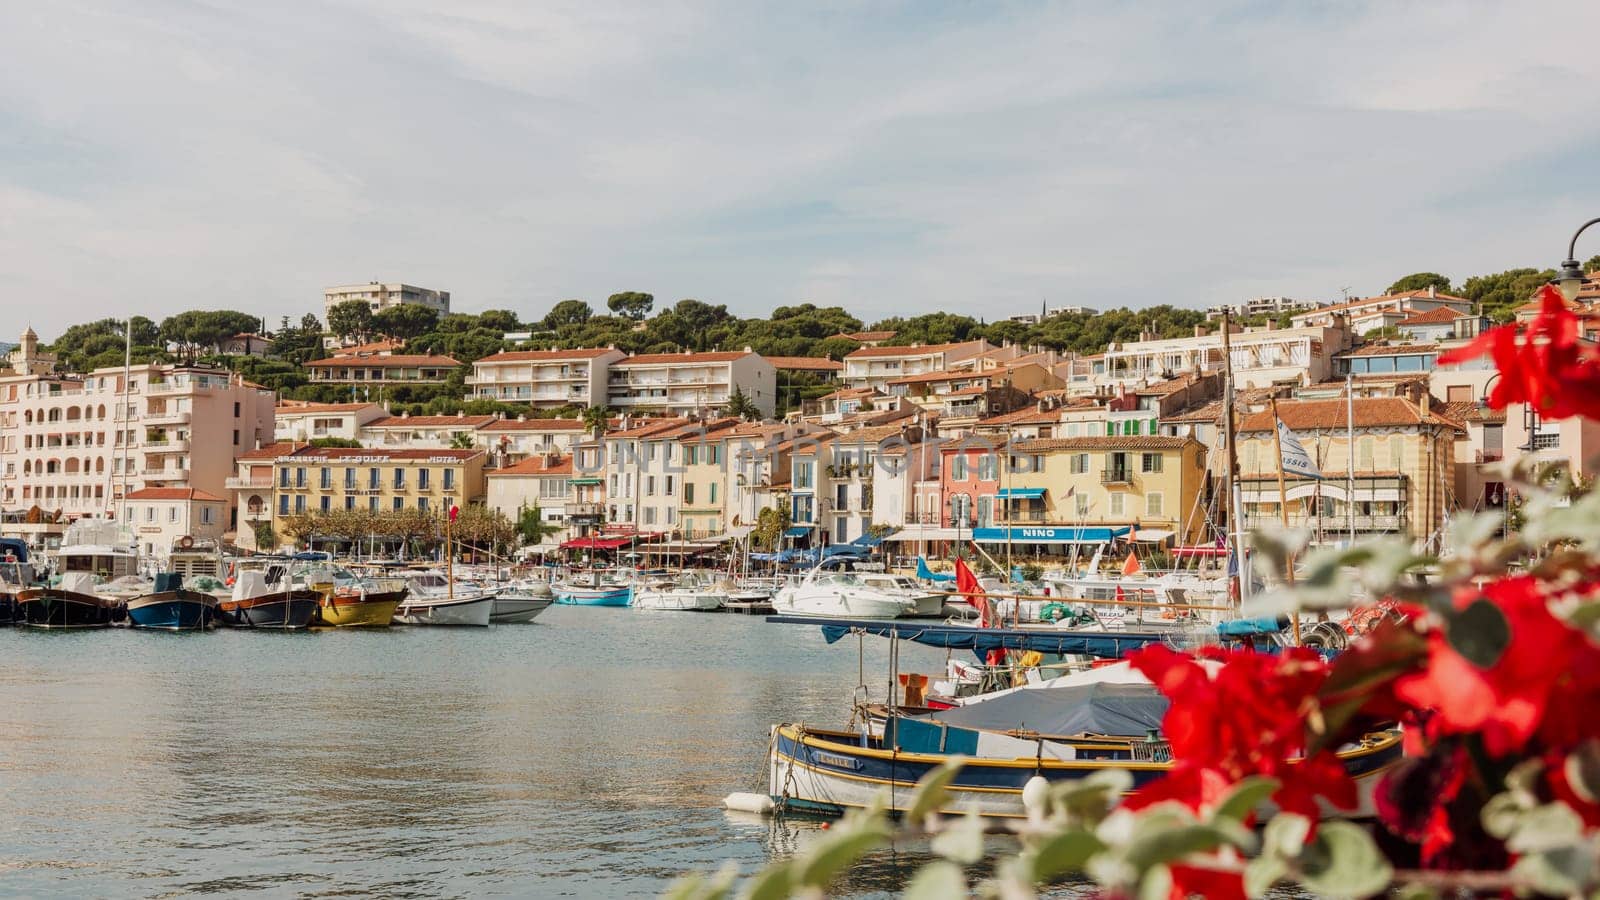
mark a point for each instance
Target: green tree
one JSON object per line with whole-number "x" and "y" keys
{"x": 461, "y": 440}
{"x": 1593, "y": 265}
{"x": 771, "y": 523}
{"x": 196, "y": 330}
{"x": 531, "y": 526}
{"x": 635, "y": 305}
{"x": 350, "y": 320}
{"x": 568, "y": 313}
{"x": 336, "y": 442}
{"x": 739, "y": 404}
{"x": 404, "y": 322}
{"x": 595, "y": 420}
{"x": 1501, "y": 293}
{"x": 1421, "y": 281}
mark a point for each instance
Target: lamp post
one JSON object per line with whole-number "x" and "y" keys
{"x": 1570, "y": 281}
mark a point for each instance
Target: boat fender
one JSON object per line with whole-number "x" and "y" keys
{"x": 742, "y": 801}
{"x": 1054, "y": 612}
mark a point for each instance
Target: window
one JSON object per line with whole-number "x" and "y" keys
{"x": 1150, "y": 462}
{"x": 1458, "y": 393}
{"x": 1365, "y": 454}
{"x": 399, "y": 479}
{"x": 349, "y": 502}
{"x": 372, "y": 504}
{"x": 716, "y": 454}
{"x": 236, "y": 412}
{"x": 1152, "y": 505}
{"x": 1252, "y": 456}
{"x": 236, "y": 437}
{"x": 802, "y": 474}
{"x": 422, "y": 503}
{"x": 325, "y": 480}
{"x": 802, "y": 509}
{"x": 350, "y": 482}
{"x": 1130, "y": 427}
{"x": 300, "y": 477}
{"x": 283, "y": 476}
{"x": 374, "y": 479}
{"x": 422, "y": 479}
{"x": 691, "y": 455}
{"x": 670, "y": 491}
{"x": 841, "y": 529}
{"x": 841, "y": 496}
{"x": 649, "y": 485}
{"x": 299, "y": 504}
{"x": 449, "y": 479}
{"x": 988, "y": 467}
{"x": 1115, "y": 504}
{"x": 172, "y": 514}
{"x": 688, "y": 490}
{"x": 327, "y": 503}
{"x": 149, "y": 513}
{"x": 399, "y": 503}
{"x": 985, "y": 511}
{"x": 1397, "y": 449}
{"x": 649, "y": 515}
{"x": 711, "y": 491}
{"x": 1079, "y": 463}
{"x": 958, "y": 467}
{"x": 283, "y": 504}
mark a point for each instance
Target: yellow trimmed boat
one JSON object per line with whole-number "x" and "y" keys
{"x": 358, "y": 608}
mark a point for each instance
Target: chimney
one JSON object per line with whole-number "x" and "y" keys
{"x": 1433, "y": 291}
{"x": 1199, "y": 331}
{"x": 1427, "y": 396}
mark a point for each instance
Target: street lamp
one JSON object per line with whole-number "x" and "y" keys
{"x": 1571, "y": 278}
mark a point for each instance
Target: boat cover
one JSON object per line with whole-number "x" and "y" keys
{"x": 1247, "y": 627}
{"x": 1103, "y": 708}
{"x": 1101, "y": 644}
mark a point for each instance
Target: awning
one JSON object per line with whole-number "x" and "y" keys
{"x": 1050, "y": 534}
{"x": 736, "y": 533}
{"x": 583, "y": 482}
{"x": 927, "y": 533}
{"x": 1021, "y": 494}
{"x": 1152, "y": 535}
{"x": 798, "y": 531}
{"x": 596, "y": 543}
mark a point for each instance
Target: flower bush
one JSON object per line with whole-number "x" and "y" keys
{"x": 1487, "y": 655}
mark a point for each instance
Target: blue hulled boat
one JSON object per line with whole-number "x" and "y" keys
{"x": 172, "y": 608}
{"x": 591, "y": 591}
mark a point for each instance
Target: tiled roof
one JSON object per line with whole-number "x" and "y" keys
{"x": 871, "y": 434}
{"x": 969, "y": 391}
{"x": 1106, "y": 442}
{"x": 713, "y": 430}
{"x": 429, "y": 421}
{"x": 932, "y": 377}
{"x": 1439, "y": 315}
{"x": 289, "y": 407}
{"x": 1169, "y": 386}
{"x": 805, "y": 363}
{"x": 650, "y": 359}
{"x": 546, "y": 355}
{"x": 385, "y": 362}
{"x": 169, "y": 493}
{"x": 1328, "y": 415}
{"x": 269, "y": 451}
{"x": 381, "y": 453}
{"x": 369, "y": 349}
{"x": 851, "y": 393}
{"x": 1026, "y": 416}
{"x": 535, "y": 425}
{"x": 536, "y": 465}
{"x": 924, "y": 350}
{"x": 652, "y": 427}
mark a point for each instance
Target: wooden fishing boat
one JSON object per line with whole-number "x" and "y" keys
{"x": 356, "y": 608}
{"x": 260, "y": 600}
{"x": 171, "y": 607}
{"x": 71, "y": 604}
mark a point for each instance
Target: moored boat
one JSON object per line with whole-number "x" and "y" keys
{"x": 356, "y": 608}
{"x": 71, "y": 604}
{"x": 472, "y": 610}
{"x": 836, "y": 595}
{"x": 268, "y": 600}
{"x": 687, "y": 594}
{"x": 519, "y": 604}
{"x": 171, "y": 607}
{"x": 590, "y": 590}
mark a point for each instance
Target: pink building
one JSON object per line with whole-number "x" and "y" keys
{"x": 970, "y": 481}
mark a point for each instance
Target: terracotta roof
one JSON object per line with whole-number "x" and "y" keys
{"x": 301, "y": 406}
{"x": 654, "y": 426}
{"x": 1169, "y": 386}
{"x": 1439, "y": 315}
{"x": 1205, "y": 413}
{"x": 1107, "y": 442}
{"x": 429, "y": 421}
{"x": 536, "y": 465}
{"x": 1331, "y": 415}
{"x": 380, "y": 453}
{"x": 534, "y": 425}
{"x": 1389, "y": 350}
{"x": 1385, "y": 298}
{"x": 546, "y": 355}
{"x": 923, "y": 350}
{"x": 374, "y": 347}
{"x": 397, "y": 361}
{"x": 650, "y": 359}
{"x": 969, "y": 391}
{"x": 848, "y": 393}
{"x": 1026, "y": 416}
{"x": 871, "y": 434}
{"x": 174, "y": 494}
{"x": 714, "y": 430}
{"x": 805, "y": 363}
{"x": 270, "y": 451}
{"x": 928, "y": 377}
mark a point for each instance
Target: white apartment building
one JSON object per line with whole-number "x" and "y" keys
{"x": 1258, "y": 306}
{"x": 80, "y": 444}
{"x": 406, "y": 431}
{"x": 161, "y": 516}
{"x": 548, "y": 484}
{"x": 299, "y": 420}
{"x": 623, "y": 468}
{"x": 510, "y": 441}
{"x": 1375, "y": 312}
{"x": 686, "y": 384}
{"x": 875, "y": 367}
{"x": 1261, "y": 358}
{"x": 383, "y": 295}
{"x": 545, "y": 379}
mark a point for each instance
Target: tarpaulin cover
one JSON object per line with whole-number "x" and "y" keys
{"x": 1101, "y": 644}
{"x": 1102, "y": 708}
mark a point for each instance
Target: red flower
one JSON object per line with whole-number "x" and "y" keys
{"x": 1546, "y": 660}
{"x": 1201, "y": 881}
{"x": 1546, "y": 366}
{"x": 1247, "y": 719}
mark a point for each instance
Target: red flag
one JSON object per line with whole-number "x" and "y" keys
{"x": 1131, "y": 564}
{"x": 454, "y": 511}
{"x": 1120, "y": 598}
{"x": 967, "y": 584}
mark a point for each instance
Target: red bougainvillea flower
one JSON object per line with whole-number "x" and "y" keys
{"x": 1212, "y": 884}
{"x": 1545, "y": 662}
{"x": 1246, "y": 719}
{"x": 1413, "y": 799}
{"x": 1545, "y": 365}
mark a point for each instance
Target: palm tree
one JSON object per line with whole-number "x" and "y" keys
{"x": 596, "y": 419}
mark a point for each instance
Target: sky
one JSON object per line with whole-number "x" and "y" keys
{"x": 892, "y": 158}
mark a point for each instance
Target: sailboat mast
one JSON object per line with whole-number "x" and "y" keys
{"x": 1231, "y": 479}
{"x": 1350, "y": 450}
{"x": 125, "y": 418}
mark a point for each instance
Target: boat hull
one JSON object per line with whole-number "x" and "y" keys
{"x": 831, "y": 772}
{"x": 460, "y": 611}
{"x": 178, "y": 610}
{"x": 511, "y": 610}
{"x": 831, "y": 604}
{"x": 372, "y": 610}
{"x": 282, "y": 610}
{"x": 581, "y": 596}
{"x": 678, "y": 601}
{"x": 56, "y": 608}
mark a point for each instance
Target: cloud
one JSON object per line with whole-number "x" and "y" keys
{"x": 892, "y": 158}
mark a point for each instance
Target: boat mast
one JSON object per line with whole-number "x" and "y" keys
{"x": 1231, "y": 479}
{"x": 122, "y": 411}
{"x": 1350, "y": 453}
{"x": 1283, "y": 508}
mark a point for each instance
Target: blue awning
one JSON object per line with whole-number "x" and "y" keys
{"x": 798, "y": 531}
{"x": 1050, "y": 534}
{"x": 1021, "y": 494}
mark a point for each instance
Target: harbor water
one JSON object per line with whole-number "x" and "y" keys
{"x": 583, "y": 755}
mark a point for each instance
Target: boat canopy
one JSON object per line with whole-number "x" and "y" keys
{"x": 1102, "y": 708}
{"x": 1101, "y": 644}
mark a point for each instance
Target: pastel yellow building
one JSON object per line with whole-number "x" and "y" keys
{"x": 324, "y": 479}
{"x": 1155, "y": 484}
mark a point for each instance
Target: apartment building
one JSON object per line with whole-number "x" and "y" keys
{"x": 160, "y": 517}
{"x": 299, "y": 420}
{"x": 1368, "y": 313}
{"x": 1062, "y": 491}
{"x": 756, "y": 457}
{"x": 625, "y": 467}
{"x": 383, "y": 295}
{"x": 79, "y": 444}
{"x": 457, "y": 432}
{"x": 961, "y": 398}
{"x": 689, "y": 384}
{"x": 545, "y": 379}
{"x": 313, "y": 480}
{"x": 1263, "y": 306}
{"x": 382, "y": 369}
{"x": 661, "y": 469}
{"x": 1404, "y": 467}
{"x": 550, "y": 484}
{"x": 1262, "y": 357}
{"x": 876, "y": 366}
{"x": 250, "y": 495}
{"x": 510, "y": 441}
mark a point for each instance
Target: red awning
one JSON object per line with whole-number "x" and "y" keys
{"x": 594, "y": 543}
{"x": 1202, "y": 550}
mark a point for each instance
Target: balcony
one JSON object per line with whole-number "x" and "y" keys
{"x": 1333, "y": 524}
{"x": 585, "y": 510}
{"x": 1022, "y": 517}
{"x": 170, "y": 387}
{"x": 236, "y": 483}
{"x": 1487, "y": 456}
{"x": 166, "y": 418}
{"x": 168, "y": 446}
{"x": 165, "y": 476}
{"x": 1116, "y": 476}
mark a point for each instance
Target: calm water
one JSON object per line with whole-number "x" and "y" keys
{"x": 584, "y": 755}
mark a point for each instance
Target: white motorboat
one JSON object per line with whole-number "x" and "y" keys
{"x": 836, "y": 595}
{"x": 521, "y": 602}
{"x": 923, "y": 602}
{"x": 433, "y": 601}
{"x": 687, "y": 594}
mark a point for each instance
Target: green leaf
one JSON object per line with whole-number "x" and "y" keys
{"x": 698, "y": 887}
{"x": 775, "y": 882}
{"x": 837, "y": 852}
{"x": 961, "y": 841}
{"x": 1546, "y": 827}
{"x": 1480, "y": 633}
{"x": 1156, "y": 884}
{"x": 1501, "y": 813}
{"x": 1285, "y": 836}
{"x": 1163, "y": 845}
{"x": 1343, "y": 861}
{"x": 933, "y": 789}
{"x": 1559, "y": 873}
{"x": 1063, "y": 853}
{"x": 1245, "y": 797}
{"x": 936, "y": 881}
{"x": 1261, "y": 873}
{"x": 1582, "y": 768}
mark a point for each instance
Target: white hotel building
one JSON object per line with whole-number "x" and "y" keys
{"x": 688, "y": 384}
{"x": 545, "y": 379}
